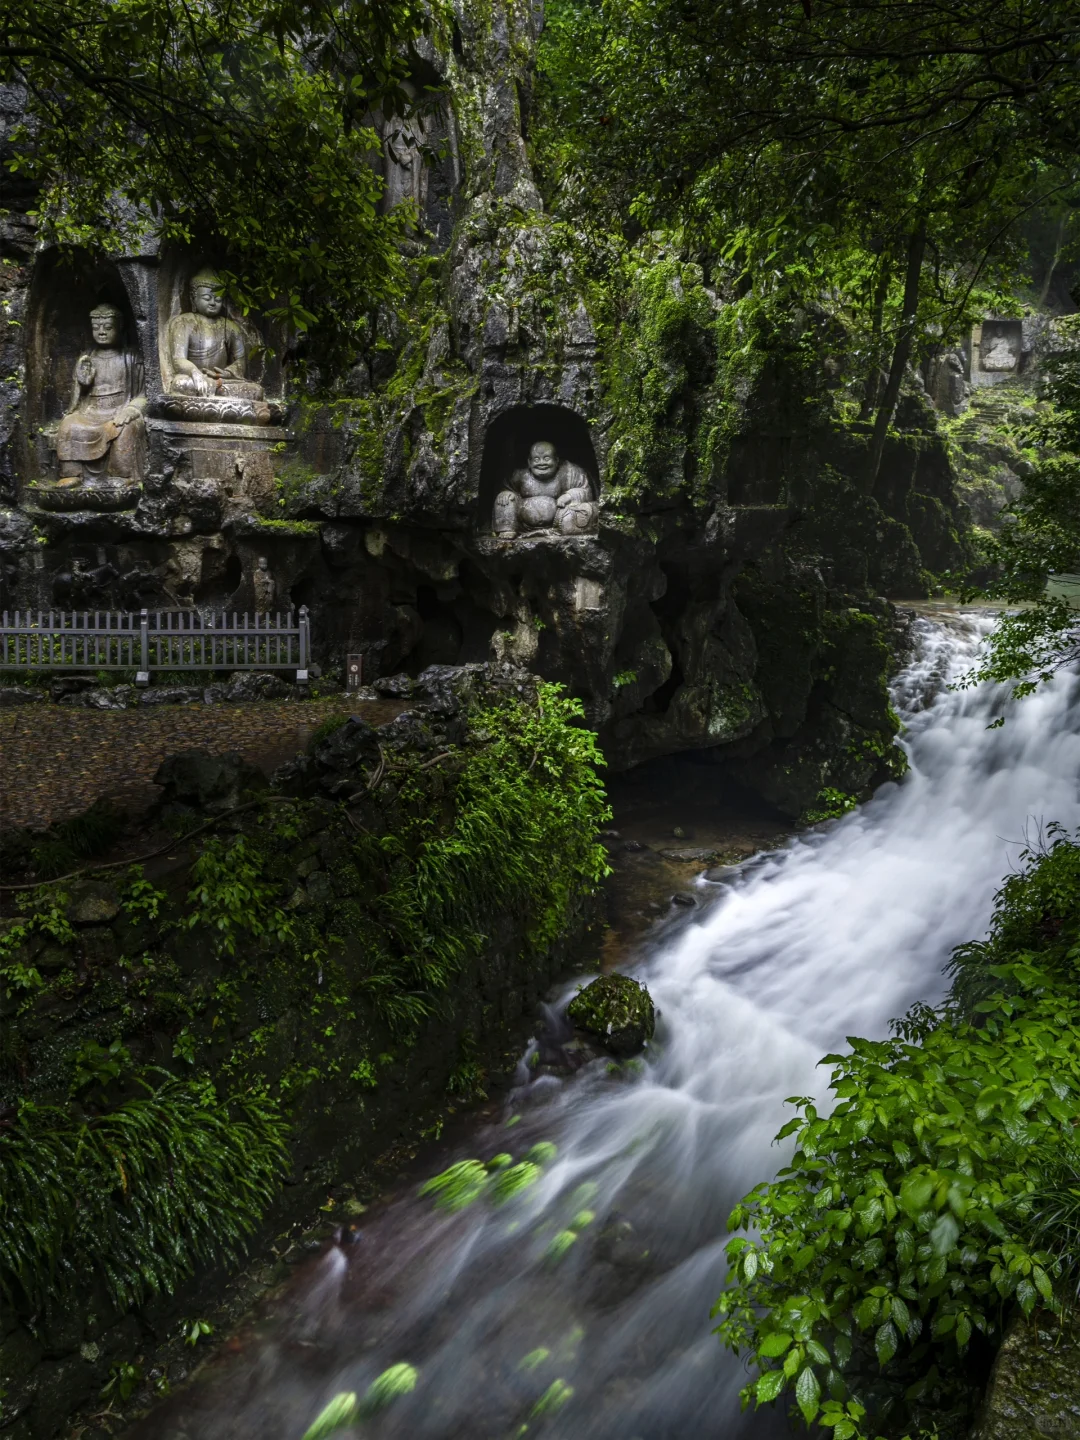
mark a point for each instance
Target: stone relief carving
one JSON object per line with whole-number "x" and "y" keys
{"x": 404, "y": 173}
{"x": 206, "y": 355}
{"x": 101, "y": 440}
{"x": 262, "y": 582}
{"x": 1000, "y": 354}
{"x": 549, "y": 494}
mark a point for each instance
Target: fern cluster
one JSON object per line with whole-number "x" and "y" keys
{"x": 526, "y": 808}
{"x": 139, "y": 1197}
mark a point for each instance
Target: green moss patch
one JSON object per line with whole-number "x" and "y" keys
{"x": 616, "y": 1011}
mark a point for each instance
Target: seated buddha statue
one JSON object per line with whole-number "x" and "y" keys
{"x": 102, "y": 437}
{"x": 207, "y": 350}
{"x": 548, "y": 494}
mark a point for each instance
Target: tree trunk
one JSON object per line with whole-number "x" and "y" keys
{"x": 916, "y": 248}
{"x": 1059, "y": 246}
{"x": 873, "y": 372}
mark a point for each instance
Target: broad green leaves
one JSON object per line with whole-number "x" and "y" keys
{"x": 904, "y": 1224}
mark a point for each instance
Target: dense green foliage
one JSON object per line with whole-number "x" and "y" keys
{"x": 1040, "y": 539}
{"x": 139, "y": 1196}
{"x": 528, "y": 803}
{"x": 939, "y": 1195}
{"x": 238, "y": 125}
{"x": 292, "y": 969}
{"x": 887, "y": 157}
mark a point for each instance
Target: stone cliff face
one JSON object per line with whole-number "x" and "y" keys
{"x": 724, "y": 600}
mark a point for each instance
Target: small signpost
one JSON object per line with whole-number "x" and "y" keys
{"x": 354, "y": 672}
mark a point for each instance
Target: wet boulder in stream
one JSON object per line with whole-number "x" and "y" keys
{"x": 617, "y": 1012}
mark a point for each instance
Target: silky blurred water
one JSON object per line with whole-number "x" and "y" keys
{"x": 832, "y": 936}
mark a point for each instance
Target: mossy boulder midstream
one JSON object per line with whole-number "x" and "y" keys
{"x": 616, "y": 1011}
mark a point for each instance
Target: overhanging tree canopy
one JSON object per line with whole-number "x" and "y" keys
{"x": 787, "y": 136}
{"x": 241, "y": 123}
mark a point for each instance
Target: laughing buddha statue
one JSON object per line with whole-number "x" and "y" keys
{"x": 548, "y": 494}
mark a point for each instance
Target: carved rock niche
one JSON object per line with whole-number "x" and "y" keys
{"x": 219, "y": 405}
{"x": 997, "y": 351}
{"x": 84, "y": 444}
{"x": 538, "y": 475}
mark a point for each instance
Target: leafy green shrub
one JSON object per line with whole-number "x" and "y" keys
{"x": 513, "y": 832}
{"x": 231, "y": 895}
{"x": 140, "y": 1196}
{"x": 940, "y": 1195}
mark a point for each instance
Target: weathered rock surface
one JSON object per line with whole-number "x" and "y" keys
{"x": 213, "y": 783}
{"x": 616, "y": 1011}
{"x": 1034, "y": 1392}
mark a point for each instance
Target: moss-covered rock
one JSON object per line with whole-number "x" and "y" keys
{"x": 616, "y": 1011}
{"x": 1035, "y": 1388}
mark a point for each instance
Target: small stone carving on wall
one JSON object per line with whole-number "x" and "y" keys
{"x": 205, "y": 362}
{"x": 997, "y": 351}
{"x": 404, "y": 172}
{"x": 101, "y": 439}
{"x": 262, "y": 582}
{"x": 547, "y": 494}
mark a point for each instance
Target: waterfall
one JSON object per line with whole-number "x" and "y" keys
{"x": 833, "y": 935}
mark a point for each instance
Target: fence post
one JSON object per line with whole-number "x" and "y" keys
{"x": 305, "y": 647}
{"x": 142, "y": 676}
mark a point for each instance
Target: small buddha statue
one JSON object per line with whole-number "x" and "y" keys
{"x": 207, "y": 350}
{"x": 262, "y": 582}
{"x": 999, "y": 355}
{"x": 102, "y": 437}
{"x": 548, "y": 494}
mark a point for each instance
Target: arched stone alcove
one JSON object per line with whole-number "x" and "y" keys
{"x": 507, "y": 442}
{"x": 65, "y": 287}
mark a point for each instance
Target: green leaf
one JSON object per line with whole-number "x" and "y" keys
{"x": 944, "y": 1235}
{"x": 340, "y": 1413}
{"x": 1043, "y": 1283}
{"x": 398, "y": 1380}
{"x": 808, "y": 1393}
{"x": 886, "y": 1342}
{"x": 774, "y": 1345}
{"x": 769, "y": 1386}
{"x": 915, "y": 1193}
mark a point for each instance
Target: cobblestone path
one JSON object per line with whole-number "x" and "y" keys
{"x": 55, "y": 760}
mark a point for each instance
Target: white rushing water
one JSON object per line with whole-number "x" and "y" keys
{"x": 832, "y": 936}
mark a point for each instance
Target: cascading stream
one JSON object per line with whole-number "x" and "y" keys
{"x": 832, "y": 936}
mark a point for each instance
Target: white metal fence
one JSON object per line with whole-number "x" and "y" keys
{"x": 149, "y": 640}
